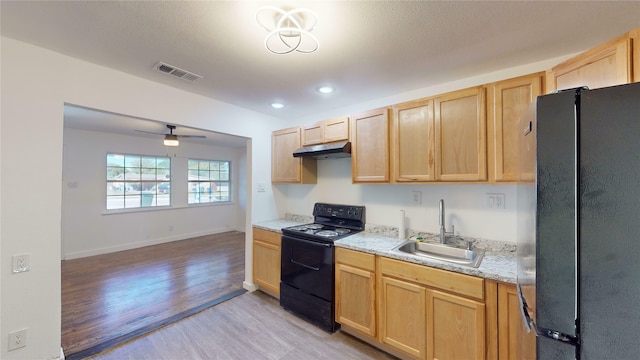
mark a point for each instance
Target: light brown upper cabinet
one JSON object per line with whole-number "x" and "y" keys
{"x": 312, "y": 134}
{"x": 331, "y": 130}
{"x": 634, "y": 35}
{"x": 370, "y": 146}
{"x": 460, "y": 135}
{"x": 414, "y": 141}
{"x": 507, "y": 102}
{"x": 285, "y": 168}
{"x": 606, "y": 65}
{"x": 336, "y": 129}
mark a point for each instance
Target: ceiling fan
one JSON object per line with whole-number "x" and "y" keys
{"x": 171, "y": 139}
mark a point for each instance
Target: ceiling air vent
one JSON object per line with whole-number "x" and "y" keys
{"x": 177, "y": 72}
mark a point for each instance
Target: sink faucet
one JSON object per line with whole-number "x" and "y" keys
{"x": 443, "y": 228}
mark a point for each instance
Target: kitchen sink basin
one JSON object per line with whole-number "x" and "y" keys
{"x": 441, "y": 252}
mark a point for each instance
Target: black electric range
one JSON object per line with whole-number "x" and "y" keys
{"x": 307, "y": 277}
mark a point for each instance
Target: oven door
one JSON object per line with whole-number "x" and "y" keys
{"x": 308, "y": 266}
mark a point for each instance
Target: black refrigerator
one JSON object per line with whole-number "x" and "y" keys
{"x": 578, "y": 201}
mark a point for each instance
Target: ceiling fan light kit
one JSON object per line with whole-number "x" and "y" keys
{"x": 290, "y": 31}
{"x": 171, "y": 140}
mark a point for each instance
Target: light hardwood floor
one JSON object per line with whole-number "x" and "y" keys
{"x": 249, "y": 326}
{"x": 109, "y": 298}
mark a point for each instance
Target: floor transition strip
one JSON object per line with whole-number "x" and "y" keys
{"x": 151, "y": 327}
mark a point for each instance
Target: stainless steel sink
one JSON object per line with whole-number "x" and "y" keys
{"x": 442, "y": 252}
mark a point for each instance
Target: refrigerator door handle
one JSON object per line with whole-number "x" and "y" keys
{"x": 529, "y": 324}
{"x": 556, "y": 335}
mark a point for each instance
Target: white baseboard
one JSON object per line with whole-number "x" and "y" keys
{"x": 139, "y": 244}
{"x": 249, "y": 286}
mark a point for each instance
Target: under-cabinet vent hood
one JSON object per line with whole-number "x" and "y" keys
{"x": 325, "y": 151}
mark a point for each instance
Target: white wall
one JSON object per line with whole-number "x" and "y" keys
{"x": 465, "y": 205}
{"x": 88, "y": 229}
{"x": 36, "y": 83}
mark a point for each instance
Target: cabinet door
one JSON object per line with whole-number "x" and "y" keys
{"x": 635, "y": 45}
{"x": 266, "y": 261}
{"x": 455, "y": 327}
{"x": 370, "y": 146}
{"x": 402, "y": 316}
{"x": 336, "y": 129}
{"x": 414, "y": 141}
{"x": 355, "y": 298}
{"x": 508, "y": 101}
{"x": 605, "y": 65}
{"x": 514, "y": 343}
{"x": 460, "y": 119}
{"x": 313, "y": 134}
{"x": 284, "y": 167}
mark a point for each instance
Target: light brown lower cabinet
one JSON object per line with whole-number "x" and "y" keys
{"x": 419, "y": 312}
{"x": 355, "y": 291}
{"x": 403, "y": 321}
{"x": 428, "y": 313}
{"x": 514, "y": 342}
{"x": 266, "y": 261}
{"x": 455, "y": 327}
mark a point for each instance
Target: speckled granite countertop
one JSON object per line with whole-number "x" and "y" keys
{"x": 498, "y": 264}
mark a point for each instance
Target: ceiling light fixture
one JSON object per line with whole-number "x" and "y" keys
{"x": 277, "y": 105}
{"x": 290, "y": 30}
{"x": 325, "y": 89}
{"x": 171, "y": 140}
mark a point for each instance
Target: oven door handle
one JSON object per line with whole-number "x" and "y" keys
{"x": 315, "y": 243}
{"x": 305, "y": 265}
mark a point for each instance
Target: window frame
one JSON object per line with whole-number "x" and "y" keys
{"x": 218, "y": 183}
{"x": 135, "y": 181}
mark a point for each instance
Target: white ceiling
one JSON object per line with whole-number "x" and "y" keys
{"x": 368, "y": 49}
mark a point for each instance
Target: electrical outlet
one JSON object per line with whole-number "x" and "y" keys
{"x": 416, "y": 197}
{"x": 17, "y": 339}
{"x": 495, "y": 201}
{"x": 20, "y": 263}
{"x": 171, "y": 227}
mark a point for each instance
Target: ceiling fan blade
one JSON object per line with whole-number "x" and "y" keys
{"x": 150, "y": 132}
{"x": 193, "y": 136}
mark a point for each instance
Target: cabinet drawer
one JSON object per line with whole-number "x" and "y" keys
{"x": 266, "y": 236}
{"x": 461, "y": 284}
{"x": 356, "y": 259}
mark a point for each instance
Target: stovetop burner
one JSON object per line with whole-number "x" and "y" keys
{"x": 327, "y": 233}
{"x": 320, "y": 230}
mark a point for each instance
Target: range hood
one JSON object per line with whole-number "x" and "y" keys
{"x": 325, "y": 151}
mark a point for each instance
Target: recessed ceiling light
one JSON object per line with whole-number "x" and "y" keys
{"x": 277, "y": 105}
{"x": 325, "y": 89}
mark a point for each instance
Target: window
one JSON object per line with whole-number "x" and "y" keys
{"x": 135, "y": 181}
{"x": 209, "y": 181}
